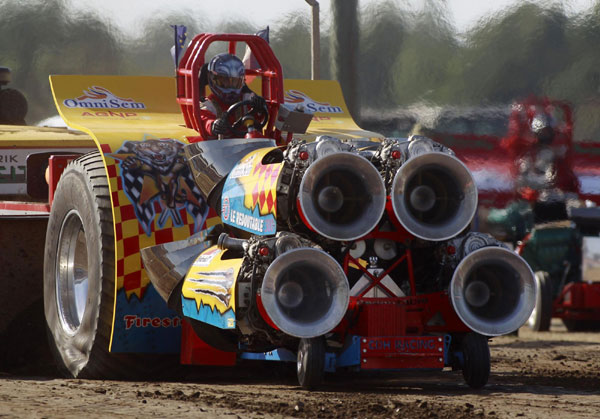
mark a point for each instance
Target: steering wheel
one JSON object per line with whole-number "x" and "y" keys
{"x": 258, "y": 117}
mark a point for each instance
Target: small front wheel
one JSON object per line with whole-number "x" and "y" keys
{"x": 476, "y": 360}
{"x": 311, "y": 362}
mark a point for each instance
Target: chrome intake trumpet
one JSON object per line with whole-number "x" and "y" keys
{"x": 305, "y": 292}
{"x": 434, "y": 196}
{"x": 342, "y": 196}
{"x": 493, "y": 290}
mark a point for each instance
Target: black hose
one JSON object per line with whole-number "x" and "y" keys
{"x": 226, "y": 242}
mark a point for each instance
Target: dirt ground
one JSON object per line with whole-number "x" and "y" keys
{"x": 535, "y": 375}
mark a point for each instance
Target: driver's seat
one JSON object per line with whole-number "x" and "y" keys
{"x": 202, "y": 81}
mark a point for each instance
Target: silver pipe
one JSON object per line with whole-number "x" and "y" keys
{"x": 315, "y": 37}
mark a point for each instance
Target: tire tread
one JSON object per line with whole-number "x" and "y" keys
{"x": 476, "y": 353}
{"x": 100, "y": 363}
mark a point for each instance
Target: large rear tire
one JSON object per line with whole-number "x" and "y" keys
{"x": 79, "y": 275}
{"x": 541, "y": 316}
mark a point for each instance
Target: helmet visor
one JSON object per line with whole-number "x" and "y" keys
{"x": 227, "y": 82}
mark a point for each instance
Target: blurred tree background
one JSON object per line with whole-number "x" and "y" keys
{"x": 402, "y": 58}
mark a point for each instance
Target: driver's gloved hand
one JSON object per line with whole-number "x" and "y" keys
{"x": 258, "y": 102}
{"x": 220, "y": 126}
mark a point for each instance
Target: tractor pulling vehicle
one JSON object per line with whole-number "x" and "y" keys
{"x": 543, "y": 200}
{"x": 332, "y": 248}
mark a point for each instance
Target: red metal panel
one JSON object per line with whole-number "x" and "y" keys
{"x": 578, "y": 301}
{"x": 425, "y": 313}
{"x": 439, "y": 315}
{"x": 580, "y": 295}
{"x": 402, "y": 352}
{"x": 387, "y": 317}
{"x": 24, "y": 206}
{"x": 56, "y": 165}
{"x": 592, "y": 295}
{"x": 195, "y": 352}
{"x": 263, "y": 313}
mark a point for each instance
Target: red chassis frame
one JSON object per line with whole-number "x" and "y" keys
{"x": 385, "y": 324}
{"x": 382, "y": 324}
{"x": 190, "y": 92}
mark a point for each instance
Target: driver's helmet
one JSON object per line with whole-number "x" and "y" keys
{"x": 541, "y": 127}
{"x": 226, "y": 77}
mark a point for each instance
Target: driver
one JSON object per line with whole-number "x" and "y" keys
{"x": 542, "y": 160}
{"x": 226, "y": 79}
{"x": 542, "y": 169}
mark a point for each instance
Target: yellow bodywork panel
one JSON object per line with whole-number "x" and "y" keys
{"x": 111, "y": 104}
{"x": 17, "y": 136}
{"x": 136, "y": 124}
{"x": 324, "y": 98}
{"x": 19, "y": 142}
{"x": 209, "y": 288}
{"x": 262, "y": 176}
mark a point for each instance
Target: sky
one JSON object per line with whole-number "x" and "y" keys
{"x": 130, "y": 14}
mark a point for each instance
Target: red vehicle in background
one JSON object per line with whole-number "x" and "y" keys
{"x": 542, "y": 198}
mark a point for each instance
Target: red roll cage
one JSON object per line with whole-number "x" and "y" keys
{"x": 190, "y": 91}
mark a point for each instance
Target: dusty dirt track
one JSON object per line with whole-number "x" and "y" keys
{"x": 534, "y": 375}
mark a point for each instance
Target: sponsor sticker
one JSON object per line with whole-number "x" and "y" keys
{"x": 109, "y": 114}
{"x": 247, "y": 221}
{"x": 404, "y": 344}
{"x": 132, "y": 320}
{"x": 98, "y": 97}
{"x": 206, "y": 258}
{"x": 242, "y": 169}
{"x": 13, "y": 166}
{"x": 300, "y": 98}
{"x": 225, "y": 209}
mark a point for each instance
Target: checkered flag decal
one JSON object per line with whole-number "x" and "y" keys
{"x": 198, "y": 213}
{"x": 133, "y": 183}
